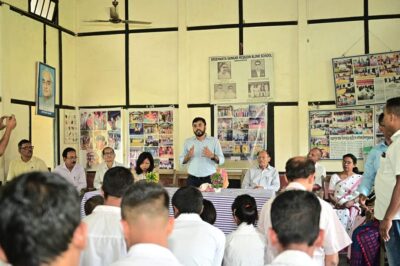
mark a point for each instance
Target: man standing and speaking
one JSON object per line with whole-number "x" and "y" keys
{"x": 201, "y": 153}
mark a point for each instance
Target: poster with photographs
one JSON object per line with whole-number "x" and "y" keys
{"x": 241, "y": 130}
{"x": 337, "y": 132}
{"x": 152, "y": 130}
{"x": 366, "y": 79}
{"x": 100, "y": 128}
{"x": 71, "y": 127}
{"x": 378, "y": 133}
{"x": 241, "y": 78}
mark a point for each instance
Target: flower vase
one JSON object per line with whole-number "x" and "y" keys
{"x": 217, "y": 190}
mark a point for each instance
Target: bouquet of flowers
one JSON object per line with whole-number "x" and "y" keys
{"x": 152, "y": 177}
{"x": 217, "y": 180}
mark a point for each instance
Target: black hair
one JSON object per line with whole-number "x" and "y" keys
{"x": 245, "y": 209}
{"x": 295, "y": 216}
{"x": 91, "y": 203}
{"x": 22, "y": 142}
{"x": 299, "y": 167}
{"x": 143, "y": 156}
{"x": 380, "y": 118}
{"x": 145, "y": 198}
{"x": 39, "y": 214}
{"x": 102, "y": 152}
{"x": 197, "y": 119}
{"x": 188, "y": 200}
{"x": 354, "y": 159}
{"x": 116, "y": 181}
{"x": 66, "y": 150}
{"x": 393, "y": 106}
{"x": 209, "y": 214}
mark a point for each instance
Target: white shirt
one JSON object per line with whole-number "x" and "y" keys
{"x": 148, "y": 254}
{"x": 335, "y": 236}
{"x": 267, "y": 177}
{"x": 244, "y": 246}
{"x": 386, "y": 178}
{"x": 195, "y": 242}
{"x": 320, "y": 174}
{"x": 293, "y": 258}
{"x": 76, "y": 176}
{"x": 101, "y": 170}
{"x": 106, "y": 242}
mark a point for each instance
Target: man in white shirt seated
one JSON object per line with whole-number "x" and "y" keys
{"x": 262, "y": 176}
{"x": 146, "y": 224}
{"x": 105, "y": 239}
{"x": 315, "y": 155}
{"x": 70, "y": 170}
{"x": 109, "y": 162}
{"x": 300, "y": 174}
{"x": 193, "y": 241}
{"x": 295, "y": 231}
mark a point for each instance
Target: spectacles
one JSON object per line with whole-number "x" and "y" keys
{"x": 27, "y": 148}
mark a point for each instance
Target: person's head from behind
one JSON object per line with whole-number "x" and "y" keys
{"x": 145, "y": 214}
{"x": 47, "y": 81}
{"x": 25, "y": 148}
{"x": 92, "y": 203}
{"x": 295, "y": 216}
{"x": 116, "y": 181}
{"x": 40, "y": 220}
{"x": 144, "y": 163}
{"x": 187, "y": 200}
{"x": 209, "y": 213}
{"x": 392, "y": 115}
{"x": 315, "y": 154}
{"x": 244, "y": 209}
{"x": 301, "y": 169}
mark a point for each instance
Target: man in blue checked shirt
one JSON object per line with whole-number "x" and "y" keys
{"x": 202, "y": 153}
{"x": 372, "y": 164}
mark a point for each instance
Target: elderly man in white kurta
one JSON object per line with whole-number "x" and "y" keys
{"x": 71, "y": 170}
{"x": 262, "y": 176}
{"x": 109, "y": 162}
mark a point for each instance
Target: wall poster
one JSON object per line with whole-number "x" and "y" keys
{"x": 241, "y": 78}
{"x": 337, "y": 132}
{"x": 99, "y": 128}
{"x": 366, "y": 79}
{"x": 152, "y": 130}
{"x": 241, "y": 130}
{"x": 71, "y": 127}
{"x": 46, "y": 90}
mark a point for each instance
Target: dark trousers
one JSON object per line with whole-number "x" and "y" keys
{"x": 197, "y": 181}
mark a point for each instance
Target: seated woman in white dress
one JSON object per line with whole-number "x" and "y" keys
{"x": 343, "y": 192}
{"x": 245, "y": 245}
{"x": 144, "y": 165}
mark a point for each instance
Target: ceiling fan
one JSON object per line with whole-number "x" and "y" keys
{"x": 114, "y": 17}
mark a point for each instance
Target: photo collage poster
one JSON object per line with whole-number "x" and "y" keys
{"x": 241, "y": 78}
{"x": 71, "y": 127}
{"x": 366, "y": 79}
{"x": 99, "y": 128}
{"x": 241, "y": 130}
{"x": 378, "y": 133}
{"x": 337, "y": 132}
{"x": 152, "y": 130}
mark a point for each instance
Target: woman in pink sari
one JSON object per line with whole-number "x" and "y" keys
{"x": 343, "y": 192}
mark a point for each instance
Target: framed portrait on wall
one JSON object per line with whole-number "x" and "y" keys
{"x": 45, "y": 90}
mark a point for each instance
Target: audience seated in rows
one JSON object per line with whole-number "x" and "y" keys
{"x": 105, "y": 238}
{"x": 40, "y": 221}
{"x": 300, "y": 174}
{"x": 193, "y": 241}
{"x": 146, "y": 224}
{"x": 244, "y": 246}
